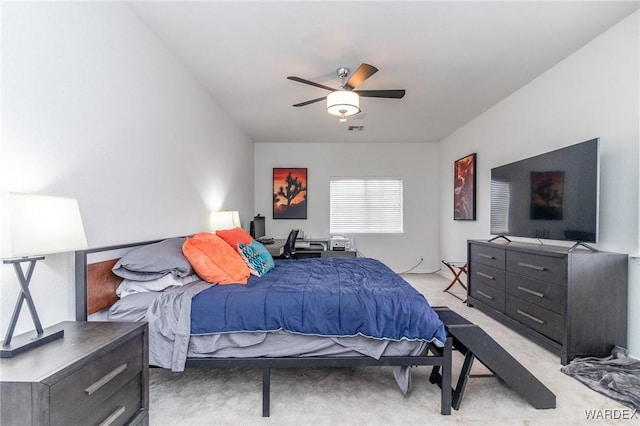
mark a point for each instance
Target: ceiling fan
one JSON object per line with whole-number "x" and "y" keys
{"x": 345, "y": 101}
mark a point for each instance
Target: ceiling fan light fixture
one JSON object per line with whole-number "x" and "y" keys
{"x": 343, "y": 103}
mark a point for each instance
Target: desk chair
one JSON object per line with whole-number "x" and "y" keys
{"x": 289, "y": 249}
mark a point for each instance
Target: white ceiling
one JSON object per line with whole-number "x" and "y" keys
{"x": 454, "y": 59}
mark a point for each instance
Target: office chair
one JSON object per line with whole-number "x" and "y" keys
{"x": 289, "y": 249}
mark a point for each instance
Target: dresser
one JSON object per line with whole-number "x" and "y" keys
{"x": 572, "y": 303}
{"x": 96, "y": 374}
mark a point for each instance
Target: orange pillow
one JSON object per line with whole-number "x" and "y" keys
{"x": 234, "y": 236}
{"x": 214, "y": 260}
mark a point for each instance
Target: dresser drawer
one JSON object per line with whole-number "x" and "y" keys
{"x": 84, "y": 394}
{"x": 488, "y": 276}
{"x": 117, "y": 410}
{"x": 488, "y": 295}
{"x": 545, "y": 268}
{"x": 543, "y": 294}
{"x": 492, "y": 256}
{"x": 542, "y": 320}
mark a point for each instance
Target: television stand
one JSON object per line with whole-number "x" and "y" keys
{"x": 571, "y": 303}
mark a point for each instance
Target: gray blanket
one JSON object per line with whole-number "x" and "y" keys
{"x": 617, "y": 376}
{"x": 169, "y": 318}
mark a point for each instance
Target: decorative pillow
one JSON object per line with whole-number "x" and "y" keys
{"x": 257, "y": 258}
{"x": 154, "y": 261}
{"x": 128, "y": 287}
{"x": 214, "y": 260}
{"x": 234, "y": 236}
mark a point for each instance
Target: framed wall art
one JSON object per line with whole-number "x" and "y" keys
{"x": 289, "y": 193}
{"x": 464, "y": 188}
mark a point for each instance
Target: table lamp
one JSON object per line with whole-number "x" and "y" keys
{"x": 33, "y": 225}
{"x": 225, "y": 219}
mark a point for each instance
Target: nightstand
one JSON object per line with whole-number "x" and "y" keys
{"x": 98, "y": 373}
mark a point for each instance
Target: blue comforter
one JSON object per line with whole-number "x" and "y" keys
{"x": 324, "y": 297}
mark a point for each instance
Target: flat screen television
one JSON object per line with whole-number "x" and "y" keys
{"x": 550, "y": 196}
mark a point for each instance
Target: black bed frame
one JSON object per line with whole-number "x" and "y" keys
{"x": 440, "y": 358}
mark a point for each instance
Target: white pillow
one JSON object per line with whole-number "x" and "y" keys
{"x": 128, "y": 287}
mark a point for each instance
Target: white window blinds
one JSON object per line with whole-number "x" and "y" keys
{"x": 500, "y": 196}
{"x": 365, "y": 205}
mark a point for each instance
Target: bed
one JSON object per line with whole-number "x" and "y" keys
{"x": 325, "y": 312}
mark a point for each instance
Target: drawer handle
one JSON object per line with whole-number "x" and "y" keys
{"x": 530, "y": 266}
{"x": 106, "y": 379}
{"x": 486, "y": 256}
{"x": 482, "y": 293}
{"x": 533, "y": 292}
{"x": 531, "y": 317}
{"x": 113, "y": 417}
{"x": 489, "y": 277}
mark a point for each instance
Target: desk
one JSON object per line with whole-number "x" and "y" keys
{"x": 276, "y": 249}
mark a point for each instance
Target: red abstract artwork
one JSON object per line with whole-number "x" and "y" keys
{"x": 464, "y": 195}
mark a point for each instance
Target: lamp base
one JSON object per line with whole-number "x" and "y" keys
{"x": 27, "y": 341}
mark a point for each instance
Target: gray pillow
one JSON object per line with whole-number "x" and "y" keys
{"x": 154, "y": 261}
{"x": 133, "y": 307}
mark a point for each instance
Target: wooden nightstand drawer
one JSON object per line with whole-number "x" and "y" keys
{"x": 545, "y": 268}
{"x": 114, "y": 411}
{"x": 82, "y": 395}
{"x": 542, "y": 320}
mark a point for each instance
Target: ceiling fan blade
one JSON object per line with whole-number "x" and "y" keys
{"x": 392, "y": 94}
{"x": 363, "y": 72}
{"x": 303, "y": 81}
{"x": 312, "y": 101}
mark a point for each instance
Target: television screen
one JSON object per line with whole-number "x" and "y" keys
{"x": 550, "y": 196}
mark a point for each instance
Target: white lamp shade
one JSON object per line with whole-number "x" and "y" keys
{"x": 227, "y": 219}
{"x": 34, "y": 225}
{"x": 343, "y": 103}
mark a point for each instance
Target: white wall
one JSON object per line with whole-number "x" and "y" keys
{"x": 416, "y": 164}
{"x": 95, "y": 108}
{"x": 592, "y": 93}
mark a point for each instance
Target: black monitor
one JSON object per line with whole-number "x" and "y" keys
{"x": 257, "y": 228}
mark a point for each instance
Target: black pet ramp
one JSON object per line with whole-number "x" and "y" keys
{"x": 474, "y": 342}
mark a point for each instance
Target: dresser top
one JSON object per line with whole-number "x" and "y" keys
{"x": 81, "y": 339}
{"x": 540, "y": 248}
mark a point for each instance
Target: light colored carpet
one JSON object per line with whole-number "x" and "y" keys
{"x": 370, "y": 396}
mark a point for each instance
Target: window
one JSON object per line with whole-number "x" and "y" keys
{"x": 500, "y": 195}
{"x": 365, "y": 205}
